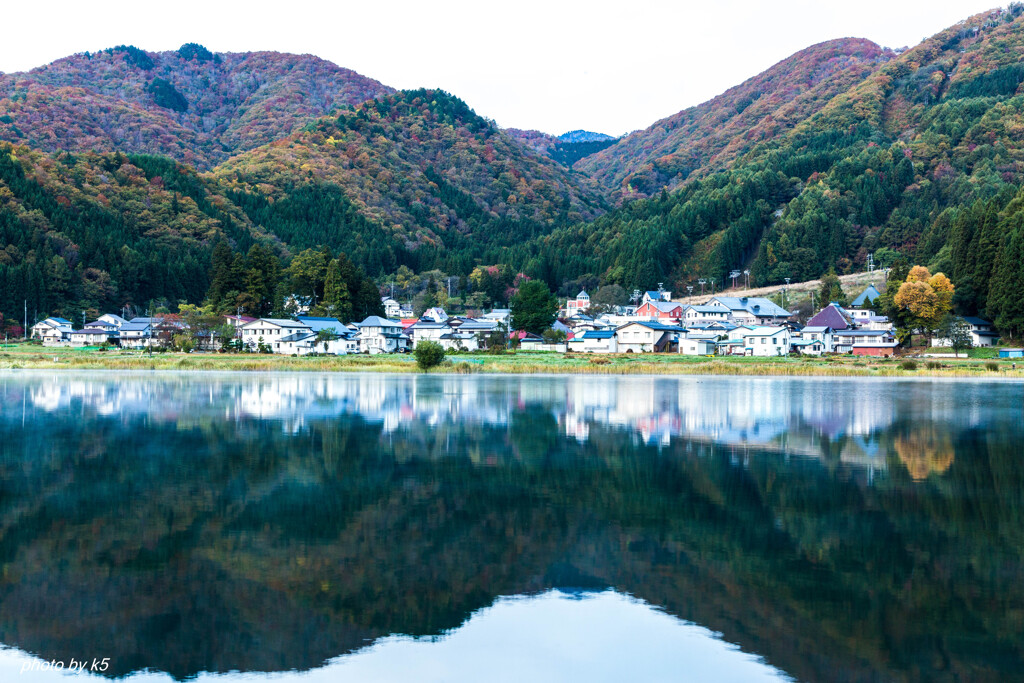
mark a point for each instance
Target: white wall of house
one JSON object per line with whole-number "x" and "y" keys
{"x": 697, "y": 347}
{"x": 637, "y": 338}
{"x": 770, "y": 342}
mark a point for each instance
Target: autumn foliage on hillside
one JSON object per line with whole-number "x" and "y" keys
{"x": 710, "y": 135}
{"x": 190, "y": 104}
{"x": 424, "y": 169}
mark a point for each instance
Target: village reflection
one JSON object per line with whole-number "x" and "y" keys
{"x": 867, "y": 424}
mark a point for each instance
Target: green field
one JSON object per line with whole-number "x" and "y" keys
{"x": 27, "y": 356}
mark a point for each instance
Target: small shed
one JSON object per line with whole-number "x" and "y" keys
{"x": 1011, "y": 353}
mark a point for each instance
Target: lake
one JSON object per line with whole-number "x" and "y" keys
{"x": 279, "y": 527}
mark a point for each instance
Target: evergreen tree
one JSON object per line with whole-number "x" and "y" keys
{"x": 534, "y": 307}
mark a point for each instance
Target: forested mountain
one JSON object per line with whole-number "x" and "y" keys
{"x": 567, "y": 148}
{"x": 415, "y": 178}
{"x": 88, "y": 231}
{"x": 710, "y": 135}
{"x": 191, "y": 104}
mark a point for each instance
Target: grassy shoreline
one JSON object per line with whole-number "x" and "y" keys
{"x": 34, "y": 357}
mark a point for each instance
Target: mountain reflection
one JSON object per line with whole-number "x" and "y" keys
{"x": 842, "y": 529}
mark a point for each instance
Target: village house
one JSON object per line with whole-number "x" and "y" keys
{"x": 665, "y": 311}
{"x": 594, "y": 341}
{"x": 52, "y": 331}
{"x": 700, "y": 314}
{"x": 392, "y": 309}
{"x": 819, "y": 333}
{"x": 268, "y": 331}
{"x": 135, "y": 334}
{"x": 380, "y": 335}
{"x": 108, "y": 319}
{"x": 751, "y": 310}
{"x": 646, "y": 337}
{"x": 843, "y": 341}
{"x": 660, "y": 295}
{"x": 832, "y": 316}
{"x": 698, "y": 345}
{"x": 459, "y": 341}
{"x": 808, "y": 347}
{"x": 982, "y": 333}
{"x": 766, "y": 341}
{"x": 578, "y": 305}
{"x": 90, "y": 336}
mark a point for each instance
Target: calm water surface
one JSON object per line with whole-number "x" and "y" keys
{"x": 390, "y": 528}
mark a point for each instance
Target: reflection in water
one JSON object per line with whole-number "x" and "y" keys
{"x": 582, "y": 637}
{"x": 187, "y": 523}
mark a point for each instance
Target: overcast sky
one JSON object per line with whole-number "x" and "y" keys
{"x": 610, "y": 67}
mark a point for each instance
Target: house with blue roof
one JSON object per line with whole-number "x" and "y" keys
{"x": 866, "y": 299}
{"x": 53, "y": 331}
{"x": 594, "y": 341}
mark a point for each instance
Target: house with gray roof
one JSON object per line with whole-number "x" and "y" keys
{"x": 380, "y": 335}
{"x": 751, "y": 310}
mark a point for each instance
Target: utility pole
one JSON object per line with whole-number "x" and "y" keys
{"x": 24, "y": 332}
{"x": 701, "y": 282}
{"x": 746, "y": 275}
{"x": 784, "y": 293}
{"x": 689, "y": 291}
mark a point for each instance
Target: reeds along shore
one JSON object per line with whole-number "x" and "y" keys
{"x": 514, "y": 363}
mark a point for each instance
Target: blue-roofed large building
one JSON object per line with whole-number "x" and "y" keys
{"x": 317, "y": 324}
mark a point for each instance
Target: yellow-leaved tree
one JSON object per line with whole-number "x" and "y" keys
{"x": 926, "y": 298}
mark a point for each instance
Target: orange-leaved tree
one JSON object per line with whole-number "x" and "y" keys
{"x": 926, "y": 298}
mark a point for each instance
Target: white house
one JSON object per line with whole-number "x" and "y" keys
{"x": 809, "y": 347}
{"x": 380, "y": 335}
{"x": 660, "y": 295}
{"x": 982, "y": 333}
{"x": 711, "y": 313}
{"x": 766, "y": 341}
{"x": 698, "y": 345}
{"x": 135, "y": 334}
{"x": 819, "y": 333}
{"x": 110, "y": 319}
{"x": 646, "y": 337}
{"x": 90, "y": 336}
{"x": 594, "y": 341}
{"x": 52, "y": 331}
{"x": 392, "y": 309}
{"x": 269, "y": 330}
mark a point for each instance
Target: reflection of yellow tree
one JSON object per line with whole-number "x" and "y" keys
{"x": 924, "y": 451}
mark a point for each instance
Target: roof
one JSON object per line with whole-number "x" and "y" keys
{"x": 862, "y": 333}
{"x": 830, "y": 316}
{"x": 816, "y": 328}
{"x": 970, "y": 320}
{"x": 279, "y": 322}
{"x": 135, "y": 327}
{"x": 875, "y": 345}
{"x": 62, "y": 321}
{"x": 115, "y": 317}
{"x": 583, "y": 294}
{"x": 707, "y": 309}
{"x": 663, "y": 306}
{"x": 806, "y": 342}
{"x": 867, "y": 296}
{"x": 91, "y": 330}
{"x": 377, "y": 321}
{"x": 318, "y": 324}
{"x": 765, "y": 331}
{"x": 296, "y": 337}
{"x": 654, "y": 326}
{"x": 598, "y": 334}
{"x": 759, "y": 306}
